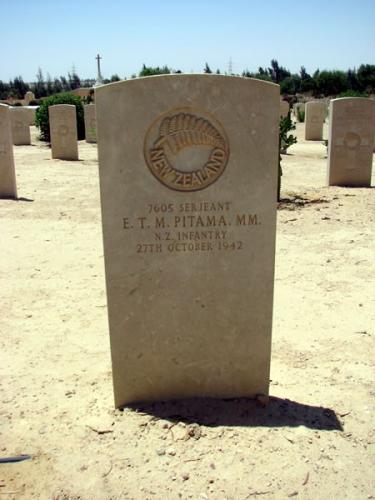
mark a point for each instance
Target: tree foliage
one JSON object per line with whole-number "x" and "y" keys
{"x": 150, "y": 71}
{"x": 207, "y": 69}
{"x": 43, "y": 86}
{"x": 320, "y": 83}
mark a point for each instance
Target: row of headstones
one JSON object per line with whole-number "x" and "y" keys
{"x": 315, "y": 115}
{"x": 351, "y": 139}
{"x": 63, "y": 115}
{"x": 15, "y": 130}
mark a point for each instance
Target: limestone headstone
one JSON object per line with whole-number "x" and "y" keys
{"x": 63, "y": 131}
{"x": 90, "y": 122}
{"x": 20, "y": 120}
{"x": 29, "y": 96}
{"x": 31, "y": 111}
{"x": 188, "y": 180}
{"x": 315, "y": 113}
{"x": 8, "y": 187}
{"x": 284, "y": 109}
{"x": 351, "y": 141}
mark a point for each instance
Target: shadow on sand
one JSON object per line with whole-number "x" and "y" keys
{"x": 243, "y": 412}
{"x": 24, "y": 199}
{"x": 12, "y": 198}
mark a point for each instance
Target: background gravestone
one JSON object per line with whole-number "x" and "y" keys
{"x": 315, "y": 114}
{"x": 63, "y": 127}
{"x": 29, "y": 96}
{"x": 31, "y": 112}
{"x": 8, "y": 187}
{"x": 351, "y": 141}
{"x": 284, "y": 109}
{"x": 90, "y": 122}
{"x": 188, "y": 180}
{"x": 20, "y": 120}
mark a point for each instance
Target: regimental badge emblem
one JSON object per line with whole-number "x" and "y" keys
{"x": 186, "y": 149}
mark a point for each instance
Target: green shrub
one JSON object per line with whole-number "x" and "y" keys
{"x": 300, "y": 114}
{"x": 17, "y": 104}
{"x": 331, "y": 82}
{"x": 352, "y": 93}
{"x": 290, "y": 85}
{"x": 286, "y": 125}
{"x": 90, "y": 98}
{"x": 285, "y": 141}
{"x": 42, "y": 118}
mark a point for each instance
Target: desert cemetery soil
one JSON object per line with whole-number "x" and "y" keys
{"x": 314, "y": 439}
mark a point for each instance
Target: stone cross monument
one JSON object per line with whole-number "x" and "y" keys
{"x": 99, "y": 78}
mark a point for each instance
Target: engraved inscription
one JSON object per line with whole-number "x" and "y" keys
{"x": 63, "y": 130}
{"x": 186, "y": 150}
{"x": 349, "y": 147}
{"x": 190, "y": 227}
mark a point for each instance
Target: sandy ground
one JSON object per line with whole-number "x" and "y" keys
{"x": 314, "y": 440}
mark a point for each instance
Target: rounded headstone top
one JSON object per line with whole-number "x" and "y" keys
{"x": 358, "y": 99}
{"x": 182, "y": 77}
{"x": 62, "y": 106}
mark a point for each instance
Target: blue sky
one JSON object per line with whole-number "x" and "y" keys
{"x": 332, "y": 34}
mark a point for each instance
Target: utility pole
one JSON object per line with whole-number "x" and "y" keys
{"x": 230, "y": 66}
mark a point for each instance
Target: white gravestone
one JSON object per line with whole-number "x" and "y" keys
{"x": 90, "y": 122}
{"x": 351, "y": 141}
{"x": 20, "y": 120}
{"x": 188, "y": 178}
{"x": 315, "y": 114}
{"x": 8, "y": 187}
{"x": 63, "y": 131}
{"x": 29, "y": 96}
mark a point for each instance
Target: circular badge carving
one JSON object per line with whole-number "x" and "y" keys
{"x": 63, "y": 130}
{"x": 186, "y": 149}
{"x": 352, "y": 140}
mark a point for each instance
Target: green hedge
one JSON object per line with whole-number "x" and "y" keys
{"x": 42, "y": 118}
{"x": 353, "y": 93}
